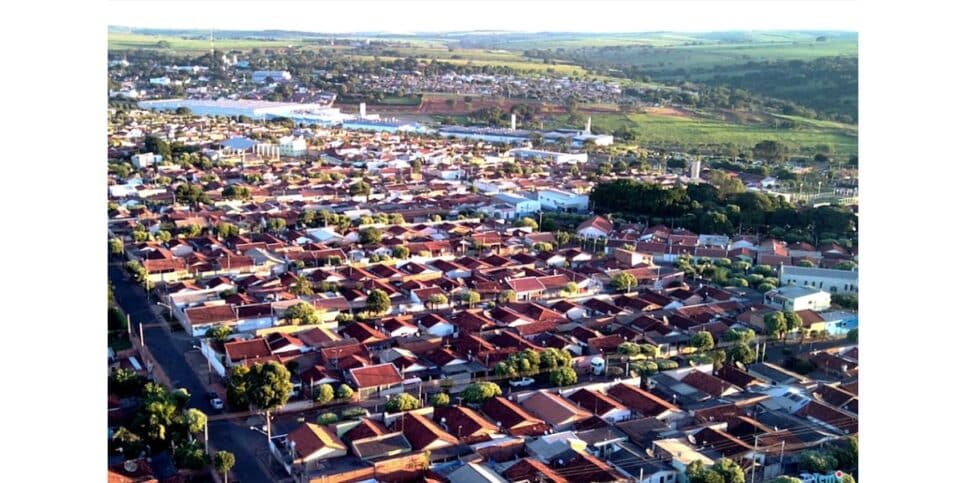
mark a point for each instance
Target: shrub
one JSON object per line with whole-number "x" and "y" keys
{"x": 327, "y": 418}
{"x": 666, "y": 365}
{"x": 354, "y": 413}
{"x": 439, "y": 399}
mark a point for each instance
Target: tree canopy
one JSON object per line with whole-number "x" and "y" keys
{"x": 480, "y": 392}
{"x": 402, "y": 402}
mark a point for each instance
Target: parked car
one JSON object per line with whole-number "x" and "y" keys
{"x": 526, "y": 381}
{"x": 215, "y": 401}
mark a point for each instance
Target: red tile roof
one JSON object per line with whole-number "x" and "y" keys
{"x": 377, "y": 375}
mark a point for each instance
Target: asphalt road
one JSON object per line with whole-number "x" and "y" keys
{"x": 169, "y": 351}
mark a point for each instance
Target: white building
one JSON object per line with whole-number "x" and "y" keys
{"x": 298, "y": 113}
{"x": 828, "y": 279}
{"x": 292, "y": 146}
{"x": 144, "y": 160}
{"x": 559, "y": 158}
{"x": 554, "y": 199}
{"x": 522, "y": 206}
{"x": 795, "y": 298}
{"x": 263, "y": 76}
{"x": 159, "y": 81}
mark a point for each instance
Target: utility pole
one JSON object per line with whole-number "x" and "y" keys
{"x": 206, "y": 435}
{"x": 754, "y": 460}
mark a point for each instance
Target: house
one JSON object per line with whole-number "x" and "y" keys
{"x": 468, "y": 426}
{"x": 521, "y": 206}
{"x": 144, "y": 160}
{"x": 679, "y": 453}
{"x": 476, "y": 473}
{"x": 307, "y": 446}
{"x": 560, "y": 200}
{"x": 827, "y": 279}
{"x": 596, "y": 227}
{"x": 554, "y": 409}
{"x": 435, "y": 324}
{"x": 422, "y": 433}
{"x": 795, "y": 298}
{"x": 377, "y": 379}
{"x": 642, "y": 402}
{"x": 513, "y": 419}
{"x": 526, "y": 288}
{"x": 600, "y": 405}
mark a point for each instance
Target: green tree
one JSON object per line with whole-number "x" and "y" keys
{"x": 219, "y": 333}
{"x": 400, "y": 251}
{"x": 507, "y": 296}
{"x": 378, "y": 302}
{"x": 729, "y": 470}
{"x": 224, "y": 230}
{"x": 702, "y": 341}
{"x": 326, "y": 394}
{"x": 526, "y": 222}
{"x": 623, "y": 281}
{"x": 302, "y": 286}
{"x": 268, "y": 387}
{"x": 817, "y": 461}
{"x": 775, "y": 325}
{"x": 276, "y": 225}
{"x": 301, "y": 313}
{"x": 439, "y": 399}
{"x": 649, "y": 351}
{"x": 740, "y": 352}
{"x": 116, "y": 247}
{"x": 360, "y": 189}
{"x": 327, "y": 418}
{"x": 370, "y": 236}
{"x": 853, "y": 336}
{"x": 345, "y": 392}
{"x": 224, "y": 461}
{"x": 563, "y": 376}
{"x": 471, "y": 297}
{"x": 402, "y": 402}
{"x": 435, "y": 300}
{"x": 629, "y": 349}
{"x": 847, "y": 453}
{"x": 156, "y": 145}
{"x": 793, "y": 322}
{"x": 738, "y": 335}
{"x": 480, "y": 392}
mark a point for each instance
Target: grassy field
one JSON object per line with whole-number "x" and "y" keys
{"x": 673, "y": 130}
{"x": 563, "y": 69}
{"x": 121, "y": 41}
{"x": 664, "y": 61}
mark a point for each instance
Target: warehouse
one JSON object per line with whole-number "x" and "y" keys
{"x": 299, "y": 113}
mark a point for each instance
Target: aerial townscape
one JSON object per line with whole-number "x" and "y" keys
{"x": 482, "y": 257}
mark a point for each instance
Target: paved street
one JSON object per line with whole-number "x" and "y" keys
{"x": 169, "y": 350}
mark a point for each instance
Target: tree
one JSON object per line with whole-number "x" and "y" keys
{"x": 623, "y": 281}
{"x": 740, "y": 352}
{"x": 378, "y": 302}
{"x": 480, "y": 392}
{"x": 650, "y": 351}
{"x": 439, "y": 399}
{"x": 563, "y": 376}
{"x": 224, "y": 461}
{"x": 853, "y": 336}
{"x": 237, "y": 386}
{"x": 276, "y": 224}
{"x": 327, "y": 418}
{"x": 345, "y": 392}
{"x": 400, "y": 251}
{"x": 771, "y": 151}
{"x": 629, "y": 349}
{"x": 702, "y": 341}
{"x": 435, "y": 300}
{"x": 817, "y": 461}
{"x": 326, "y": 394}
{"x": 219, "y": 333}
{"x": 370, "y": 235}
{"x": 738, "y": 335}
{"x": 156, "y": 145}
{"x": 268, "y": 387}
{"x": 729, "y": 470}
{"x": 471, "y": 297}
{"x": 360, "y": 189}
{"x": 526, "y": 222}
{"x": 698, "y": 473}
{"x": 793, "y": 322}
{"x": 301, "y": 313}
{"x": 402, "y": 402}
{"x": 116, "y": 247}
{"x": 302, "y": 286}
{"x": 507, "y": 296}
{"x": 775, "y": 325}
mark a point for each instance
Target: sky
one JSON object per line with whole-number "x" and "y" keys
{"x": 527, "y": 16}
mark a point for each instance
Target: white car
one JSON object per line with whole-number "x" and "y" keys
{"x": 526, "y": 381}
{"x": 215, "y": 401}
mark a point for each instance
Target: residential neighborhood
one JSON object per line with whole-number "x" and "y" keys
{"x": 308, "y": 292}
